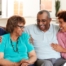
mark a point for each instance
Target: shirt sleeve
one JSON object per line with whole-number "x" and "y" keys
{"x": 59, "y": 38}
{"x": 28, "y": 43}
{"x": 2, "y": 44}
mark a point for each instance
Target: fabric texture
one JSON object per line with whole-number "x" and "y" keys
{"x": 24, "y": 47}
{"x": 42, "y": 41}
{"x": 61, "y": 36}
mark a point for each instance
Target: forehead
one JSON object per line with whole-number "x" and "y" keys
{"x": 42, "y": 16}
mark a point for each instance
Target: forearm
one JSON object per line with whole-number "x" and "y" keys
{"x": 6, "y": 62}
{"x": 64, "y": 50}
{"x": 32, "y": 59}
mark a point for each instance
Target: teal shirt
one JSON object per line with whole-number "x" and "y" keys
{"x": 24, "y": 47}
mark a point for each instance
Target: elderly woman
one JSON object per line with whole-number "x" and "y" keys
{"x": 15, "y": 47}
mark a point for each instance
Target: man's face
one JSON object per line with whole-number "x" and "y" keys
{"x": 43, "y": 21}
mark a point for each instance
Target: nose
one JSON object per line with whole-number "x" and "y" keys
{"x": 40, "y": 23}
{"x": 22, "y": 29}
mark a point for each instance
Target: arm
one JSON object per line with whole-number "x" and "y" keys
{"x": 31, "y": 60}
{"x": 32, "y": 57}
{"x": 30, "y": 51}
{"x": 5, "y": 62}
{"x": 58, "y": 48}
{"x": 61, "y": 46}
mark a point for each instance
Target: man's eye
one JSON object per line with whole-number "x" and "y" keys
{"x": 43, "y": 20}
{"x": 38, "y": 20}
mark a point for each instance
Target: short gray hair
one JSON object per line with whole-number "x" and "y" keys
{"x": 44, "y": 11}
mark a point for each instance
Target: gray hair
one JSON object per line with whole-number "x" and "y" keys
{"x": 44, "y": 11}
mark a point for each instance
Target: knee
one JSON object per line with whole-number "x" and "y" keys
{"x": 47, "y": 63}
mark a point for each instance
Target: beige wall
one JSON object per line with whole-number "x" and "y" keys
{"x": 29, "y": 20}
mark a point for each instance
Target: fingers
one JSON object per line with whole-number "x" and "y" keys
{"x": 24, "y": 64}
{"x": 54, "y": 46}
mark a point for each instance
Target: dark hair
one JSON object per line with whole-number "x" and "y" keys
{"x": 13, "y": 21}
{"x": 44, "y": 11}
{"x": 62, "y": 15}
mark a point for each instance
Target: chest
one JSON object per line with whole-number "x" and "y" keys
{"x": 11, "y": 47}
{"x": 44, "y": 39}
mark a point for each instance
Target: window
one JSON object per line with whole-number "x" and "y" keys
{"x": 26, "y": 8}
{"x": 46, "y": 4}
{"x": 18, "y": 7}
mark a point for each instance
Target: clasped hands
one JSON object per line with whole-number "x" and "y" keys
{"x": 23, "y": 63}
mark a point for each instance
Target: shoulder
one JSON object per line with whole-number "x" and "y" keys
{"x": 4, "y": 38}
{"x": 55, "y": 27}
{"x": 6, "y": 35}
{"x": 25, "y": 35}
{"x": 59, "y": 34}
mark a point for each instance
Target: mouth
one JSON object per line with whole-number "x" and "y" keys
{"x": 42, "y": 26}
{"x": 62, "y": 29}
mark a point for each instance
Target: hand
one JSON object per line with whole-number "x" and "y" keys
{"x": 25, "y": 62}
{"x": 57, "y": 47}
{"x": 17, "y": 64}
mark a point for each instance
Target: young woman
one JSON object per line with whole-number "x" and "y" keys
{"x": 15, "y": 47}
{"x": 61, "y": 47}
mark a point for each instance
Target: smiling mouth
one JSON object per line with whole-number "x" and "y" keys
{"x": 42, "y": 26}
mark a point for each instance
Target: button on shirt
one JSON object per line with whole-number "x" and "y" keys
{"x": 42, "y": 41}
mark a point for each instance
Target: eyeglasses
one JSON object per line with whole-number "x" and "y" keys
{"x": 43, "y": 20}
{"x": 20, "y": 26}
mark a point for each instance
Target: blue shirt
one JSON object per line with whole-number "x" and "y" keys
{"x": 43, "y": 40}
{"x": 24, "y": 47}
{"x": 2, "y": 31}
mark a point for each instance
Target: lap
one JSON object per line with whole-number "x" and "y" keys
{"x": 45, "y": 62}
{"x": 50, "y": 62}
{"x": 59, "y": 62}
{"x": 31, "y": 65}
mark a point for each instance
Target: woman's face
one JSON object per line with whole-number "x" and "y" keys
{"x": 19, "y": 29}
{"x": 62, "y": 25}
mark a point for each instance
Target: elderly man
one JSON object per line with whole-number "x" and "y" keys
{"x": 44, "y": 34}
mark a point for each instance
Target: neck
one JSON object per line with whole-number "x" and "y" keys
{"x": 14, "y": 37}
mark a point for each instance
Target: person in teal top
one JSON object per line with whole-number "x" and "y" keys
{"x": 15, "y": 47}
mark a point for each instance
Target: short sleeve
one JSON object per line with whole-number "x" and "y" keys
{"x": 28, "y": 43}
{"x": 2, "y": 44}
